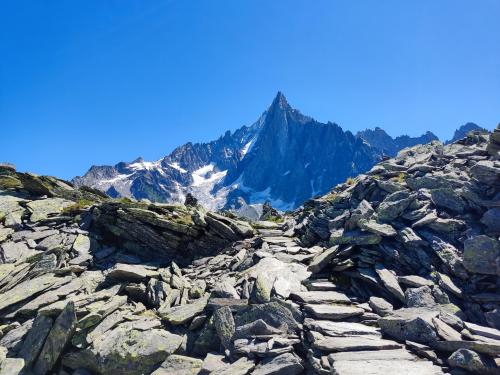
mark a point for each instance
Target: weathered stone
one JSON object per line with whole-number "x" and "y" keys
{"x": 57, "y": 339}
{"x": 489, "y": 348}
{"x": 137, "y": 351}
{"x": 262, "y": 288}
{"x": 212, "y": 363}
{"x": 355, "y": 343}
{"x": 43, "y": 208}
{"x": 481, "y": 254}
{"x": 329, "y": 328}
{"x": 491, "y": 219}
{"x": 128, "y": 272}
{"x": 413, "y": 324}
{"x": 285, "y": 364}
{"x": 257, "y": 328}
{"x": 15, "y": 251}
{"x": 319, "y": 297}
{"x": 354, "y": 237}
{"x": 29, "y": 288}
{"x": 183, "y": 314}
{"x": 473, "y": 362}
{"x": 448, "y": 199}
{"x": 321, "y": 260}
{"x": 372, "y": 226}
{"x": 242, "y": 366}
{"x": 380, "y": 306}
{"x": 390, "y": 282}
{"x": 333, "y": 312}
{"x": 273, "y": 313}
{"x": 224, "y": 325}
{"x": 415, "y": 281}
{"x": 225, "y": 289}
{"x": 35, "y": 339}
{"x": 12, "y": 366}
{"x": 179, "y": 364}
{"x": 419, "y": 297}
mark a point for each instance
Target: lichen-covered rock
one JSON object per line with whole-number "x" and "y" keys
{"x": 481, "y": 254}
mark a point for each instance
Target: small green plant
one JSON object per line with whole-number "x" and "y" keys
{"x": 350, "y": 181}
{"x": 275, "y": 219}
{"x": 78, "y": 206}
{"x": 401, "y": 177}
{"x": 124, "y": 200}
{"x": 330, "y": 197}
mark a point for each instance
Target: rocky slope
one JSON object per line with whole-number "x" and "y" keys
{"x": 394, "y": 272}
{"x": 285, "y": 157}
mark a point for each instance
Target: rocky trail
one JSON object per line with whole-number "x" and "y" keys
{"x": 394, "y": 272}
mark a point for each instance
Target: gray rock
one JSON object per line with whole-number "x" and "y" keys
{"x": 419, "y": 297}
{"x": 57, "y": 339}
{"x": 15, "y": 251}
{"x": 473, "y": 362}
{"x": 137, "y": 351}
{"x": 242, "y": 366}
{"x": 372, "y": 226}
{"x": 224, "y": 325}
{"x": 413, "y": 324}
{"x": 390, "y": 282}
{"x": 380, "y": 306}
{"x": 273, "y": 313}
{"x": 486, "y": 172}
{"x": 394, "y": 205}
{"x": 481, "y": 254}
{"x": 183, "y": 314}
{"x": 128, "y": 272}
{"x": 448, "y": 199}
{"x": 34, "y": 340}
{"x": 262, "y": 288}
{"x": 321, "y": 260}
{"x": 355, "y": 343}
{"x": 329, "y": 328}
{"x": 491, "y": 219}
{"x": 213, "y": 362}
{"x": 225, "y": 289}
{"x": 320, "y": 297}
{"x": 179, "y": 364}
{"x": 333, "y": 312}
{"x": 285, "y": 364}
{"x": 257, "y": 328}
{"x": 12, "y": 366}
{"x": 354, "y": 237}
{"x": 43, "y": 208}
{"x": 445, "y": 331}
{"x": 415, "y": 281}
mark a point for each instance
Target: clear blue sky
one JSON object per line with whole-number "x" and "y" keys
{"x": 87, "y": 82}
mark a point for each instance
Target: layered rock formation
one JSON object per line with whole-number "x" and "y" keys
{"x": 393, "y": 272}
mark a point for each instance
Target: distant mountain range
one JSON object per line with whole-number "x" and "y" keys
{"x": 285, "y": 158}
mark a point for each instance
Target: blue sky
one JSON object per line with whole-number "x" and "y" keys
{"x": 96, "y": 82}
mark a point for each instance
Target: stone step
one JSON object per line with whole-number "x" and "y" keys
{"x": 321, "y": 286}
{"x": 385, "y": 367}
{"x": 320, "y": 297}
{"x": 354, "y": 343}
{"x": 333, "y": 312}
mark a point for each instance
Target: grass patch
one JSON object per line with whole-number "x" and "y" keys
{"x": 350, "y": 181}
{"x": 275, "y": 219}
{"x": 80, "y": 205}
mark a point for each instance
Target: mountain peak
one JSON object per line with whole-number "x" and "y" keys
{"x": 280, "y": 101}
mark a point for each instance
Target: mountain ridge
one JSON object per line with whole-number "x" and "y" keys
{"x": 284, "y": 157}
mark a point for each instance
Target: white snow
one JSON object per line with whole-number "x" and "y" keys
{"x": 247, "y": 147}
{"x": 178, "y": 167}
{"x": 204, "y": 181}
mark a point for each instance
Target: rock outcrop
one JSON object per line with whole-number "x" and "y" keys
{"x": 393, "y": 272}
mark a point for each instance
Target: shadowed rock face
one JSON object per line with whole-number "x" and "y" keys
{"x": 393, "y": 272}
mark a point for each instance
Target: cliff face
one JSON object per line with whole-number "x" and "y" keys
{"x": 397, "y": 266}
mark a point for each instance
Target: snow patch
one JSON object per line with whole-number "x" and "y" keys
{"x": 178, "y": 167}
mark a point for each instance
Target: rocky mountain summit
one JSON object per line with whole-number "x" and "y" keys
{"x": 395, "y": 271}
{"x": 285, "y": 158}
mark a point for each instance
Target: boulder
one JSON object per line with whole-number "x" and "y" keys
{"x": 34, "y": 340}
{"x": 413, "y": 324}
{"x": 390, "y": 282}
{"x": 491, "y": 219}
{"x": 184, "y": 313}
{"x": 481, "y": 254}
{"x": 380, "y": 306}
{"x": 473, "y": 362}
{"x": 285, "y": 364}
{"x": 448, "y": 199}
{"x": 43, "y": 208}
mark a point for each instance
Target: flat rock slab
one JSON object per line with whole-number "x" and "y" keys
{"x": 320, "y": 297}
{"x": 386, "y": 367}
{"x": 43, "y": 208}
{"x": 184, "y": 313}
{"x": 333, "y": 312}
{"x": 321, "y": 285}
{"x": 285, "y": 364}
{"x": 329, "y": 328}
{"x": 366, "y": 355}
{"x": 354, "y": 343}
{"x": 179, "y": 364}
